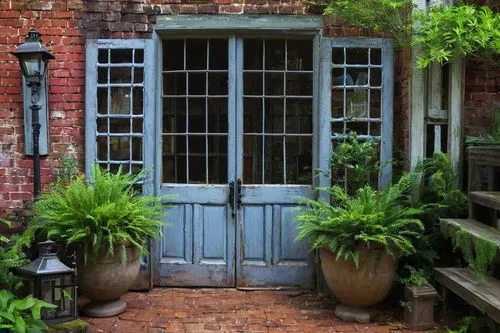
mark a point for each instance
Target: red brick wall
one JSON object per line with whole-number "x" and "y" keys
{"x": 58, "y": 22}
{"x": 482, "y": 94}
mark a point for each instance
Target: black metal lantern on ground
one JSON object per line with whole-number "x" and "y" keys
{"x": 48, "y": 279}
{"x": 34, "y": 58}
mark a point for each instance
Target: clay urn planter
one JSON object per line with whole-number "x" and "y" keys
{"x": 361, "y": 286}
{"x": 419, "y": 312}
{"x": 104, "y": 279}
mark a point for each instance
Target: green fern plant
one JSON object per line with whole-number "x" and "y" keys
{"x": 386, "y": 219}
{"x": 487, "y": 139}
{"x": 106, "y": 213}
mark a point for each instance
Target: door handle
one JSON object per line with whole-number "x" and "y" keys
{"x": 238, "y": 195}
{"x": 231, "y": 198}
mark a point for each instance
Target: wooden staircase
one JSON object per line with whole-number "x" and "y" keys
{"x": 483, "y": 222}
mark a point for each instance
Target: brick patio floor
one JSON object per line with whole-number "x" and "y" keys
{"x": 229, "y": 310}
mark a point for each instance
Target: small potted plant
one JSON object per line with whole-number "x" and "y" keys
{"x": 361, "y": 236}
{"x": 108, "y": 224}
{"x": 419, "y": 304}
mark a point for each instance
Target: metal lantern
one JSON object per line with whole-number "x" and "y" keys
{"x": 33, "y": 56}
{"x": 49, "y": 280}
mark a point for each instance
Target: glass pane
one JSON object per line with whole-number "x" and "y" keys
{"x": 174, "y": 84}
{"x": 119, "y": 148}
{"x": 357, "y": 56}
{"x": 121, "y": 55}
{"x": 197, "y": 84}
{"x": 274, "y": 115}
{"x": 217, "y": 83}
{"x": 375, "y": 129}
{"x": 196, "y": 54}
{"x": 138, "y": 75}
{"x": 253, "y": 49}
{"x": 358, "y": 75}
{"x": 357, "y": 103}
{"x": 102, "y": 125}
{"x": 338, "y": 128}
{"x": 300, "y": 55}
{"x": 217, "y": 115}
{"x": 217, "y": 160}
{"x": 137, "y": 94}
{"x": 337, "y": 103}
{"x": 338, "y": 55}
{"x": 298, "y": 116}
{"x": 299, "y": 84}
{"x": 274, "y": 84}
{"x": 174, "y": 159}
{"x": 120, "y": 100}
{"x": 375, "y": 57}
{"x": 139, "y": 56}
{"x": 252, "y": 113}
{"x": 196, "y": 115}
{"x": 252, "y": 84}
{"x": 120, "y": 74}
{"x": 174, "y": 115}
{"x": 102, "y": 75}
{"x": 341, "y": 78}
{"x": 137, "y": 149}
{"x": 102, "y": 100}
{"x": 360, "y": 127}
{"x": 376, "y": 77}
{"x": 252, "y": 159}
{"x": 197, "y": 145}
{"x": 299, "y": 160}
{"x": 120, "y": 125}
{"x": 273, "y": 162}
{"x": 102, "y": 56}
{"x": 375, "y": 103}
{"x": 218, "y": 54}
{"x": 102, "y": 148}
{"x": 173, "y": 51}
{"x": 137, "y": 125}
{"x": 275, "y": 54}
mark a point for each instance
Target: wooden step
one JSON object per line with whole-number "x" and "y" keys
{"x": 484, "y": 295}
{"x": 485, "y": 198}
{"x": 476, "y": 229}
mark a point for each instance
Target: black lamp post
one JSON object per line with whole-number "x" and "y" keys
{"x": 34, "y": 58}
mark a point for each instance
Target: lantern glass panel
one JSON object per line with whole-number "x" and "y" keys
{"x": 32, "y": 65}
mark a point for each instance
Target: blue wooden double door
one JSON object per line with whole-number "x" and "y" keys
{"x": 236, "y": 144}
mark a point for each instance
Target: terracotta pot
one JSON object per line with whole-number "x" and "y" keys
{"x": 419, "y": 312}
{"x": 104, "y": 279}
{"x": 363, "y": 286}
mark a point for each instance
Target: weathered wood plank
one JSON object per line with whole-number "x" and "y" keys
{"x": 484, "y": 295}
{"x": 477, "y": 229}
{"x": 484, "y": 198}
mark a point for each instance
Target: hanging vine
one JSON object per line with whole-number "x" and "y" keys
{"x": 478, "y": 252}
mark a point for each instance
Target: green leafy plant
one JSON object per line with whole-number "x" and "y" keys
{"x": 22, "y": 315}
{"x": 373, "y": 219}
{"x": 477, "y": 324}
{"x": 479, "y": 253}
{"x": 358, "y": 158}
{"x": 416, "y": 277}
{"x": 447, "y": 32}
{"x": 106, "y": 213}
{"x": 388, "y": 16}
{"x": 11, "y": 257}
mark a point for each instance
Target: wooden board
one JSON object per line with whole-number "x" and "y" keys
{"x": 477, "y": 229}
{"x": 484, "y": 198}
{"x": 484, "y": 295}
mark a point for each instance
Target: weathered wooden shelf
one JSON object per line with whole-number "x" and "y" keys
{"x": 484, "y": 294}
{"x": 476, "y": 229}
{"x": 485, "y": 198}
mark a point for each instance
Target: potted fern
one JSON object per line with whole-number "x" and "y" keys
{"x": 360, "y": 236}
{"x": 108, "y": 224}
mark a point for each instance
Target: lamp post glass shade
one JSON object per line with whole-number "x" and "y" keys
{"x": 33, "y": 56}
{"x": 51, "y": 281}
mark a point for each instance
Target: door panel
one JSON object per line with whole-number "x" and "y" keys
{"x": 274, "y": 154}
{"x": 197, "y": 162}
